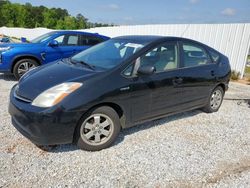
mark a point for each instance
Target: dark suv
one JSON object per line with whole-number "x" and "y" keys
{"x": 20, "y": 57}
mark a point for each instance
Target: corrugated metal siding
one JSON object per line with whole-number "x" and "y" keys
{"x": 233, "y": 40}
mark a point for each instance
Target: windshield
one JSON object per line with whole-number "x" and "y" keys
{"x": 108, "y": 54}
{"x": 42, "y": 38}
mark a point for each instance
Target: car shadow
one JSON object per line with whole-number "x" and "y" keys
{"x": 7, "y": 77}
{"x": 126, "y": 132}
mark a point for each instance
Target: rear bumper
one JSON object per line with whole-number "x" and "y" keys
{"x": 42, "y": 126}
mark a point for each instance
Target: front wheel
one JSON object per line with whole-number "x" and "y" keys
{"x": 99, "y": 129}
{"x": 23, "y": 66}
{"x": 215, "y": 100}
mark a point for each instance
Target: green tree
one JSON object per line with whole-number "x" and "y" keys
{"x": 28, "y": 16}
{"x": 81, "y": 21}
{"x": 70, "y": 22}
{"x": 49, "y": 18}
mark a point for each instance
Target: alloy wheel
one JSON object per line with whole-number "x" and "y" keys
{"x": 25, "y": 67}
{"x": 97, "y": 129}
{"x": 216, "y": 99}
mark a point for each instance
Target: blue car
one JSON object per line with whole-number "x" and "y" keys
{"x": 21, "y": 57}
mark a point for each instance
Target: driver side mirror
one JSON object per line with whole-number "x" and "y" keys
{"x": 54, "y": 43}
{"x": 146, "y": 70}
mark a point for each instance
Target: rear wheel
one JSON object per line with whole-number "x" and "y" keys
{"x": 215, "y": 100}
{"x": 99, "y": 129}
{"x": 23, "y": 66}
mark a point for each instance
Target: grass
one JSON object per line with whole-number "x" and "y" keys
{"x": 235, "y": 75}
{"x": 247, "y": 70}
{"x": 247, "y": 73}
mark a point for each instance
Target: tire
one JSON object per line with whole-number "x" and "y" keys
{"x": 22, "y": 66}
{"x": 98, "y": 129}
{"x": 215, "y": 100}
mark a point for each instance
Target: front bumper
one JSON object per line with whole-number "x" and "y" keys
{"x": 43, "y": 126}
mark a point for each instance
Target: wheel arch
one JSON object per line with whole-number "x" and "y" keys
{"x": 118, "y": 109}
{"x": 222, "y": 85}
{"x": 18, "y": 58}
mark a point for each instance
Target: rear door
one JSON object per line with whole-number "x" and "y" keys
{"x": 197, "y": 74}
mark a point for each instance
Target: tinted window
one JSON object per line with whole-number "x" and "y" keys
{"x": 194, "y": 55}
{"x": 89, "y": 40}
{"x": 67, "y": 40}
{"x": 214, "y": 55}
{"x": 163, "y": 57}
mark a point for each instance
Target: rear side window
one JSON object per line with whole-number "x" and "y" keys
{"x": 214, "y": 55}
{"x": 89, "y": 40}
{"x": 194, "y": 55}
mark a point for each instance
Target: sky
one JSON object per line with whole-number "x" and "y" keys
{"x": 134, "y": 12}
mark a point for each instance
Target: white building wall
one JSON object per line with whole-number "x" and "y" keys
{"x": 23, "y": 32}
{"x": 233, "y": 40}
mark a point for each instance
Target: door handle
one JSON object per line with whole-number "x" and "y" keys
{"x": 177, "y": 80}
{"x": 125, "y": 88}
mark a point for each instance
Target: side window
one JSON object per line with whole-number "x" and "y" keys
{"x": 215, "y": 55}
{"x": 128, "y": 70}
{"x": 72, "y": 40}
{"x": 194, "y": 55}
{"x": 89, "y": 40}
{"x": 67, "y": 40}
{"x": 163, "y": 57}
{"x": 60, "y": 39}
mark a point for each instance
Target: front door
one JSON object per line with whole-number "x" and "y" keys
{"x": 157, "y": 94}
{"x": 68, "y": 46}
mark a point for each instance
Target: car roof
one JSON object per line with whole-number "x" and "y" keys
{"x": 151, "y": 38}
{"x": 77, "y": 32}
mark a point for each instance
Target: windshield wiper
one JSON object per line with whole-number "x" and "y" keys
{"x": 92, "y": 67}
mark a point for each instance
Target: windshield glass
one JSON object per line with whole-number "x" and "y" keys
{"x": 108, "y": 54}
{"x": 42, "y": 38}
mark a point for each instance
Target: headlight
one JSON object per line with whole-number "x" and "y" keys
{"x": 55, "y": 94}
{"x": 5, "y": 48}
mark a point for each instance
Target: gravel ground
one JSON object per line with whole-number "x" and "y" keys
{"x": 192, "y": 149}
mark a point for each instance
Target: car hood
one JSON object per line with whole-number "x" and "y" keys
{"x": 42, "y": 78}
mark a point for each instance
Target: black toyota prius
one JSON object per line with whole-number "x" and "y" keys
{"x": 117, "y": 84}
